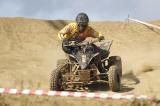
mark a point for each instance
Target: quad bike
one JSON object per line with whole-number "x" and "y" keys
{"x": 80, "y": 69}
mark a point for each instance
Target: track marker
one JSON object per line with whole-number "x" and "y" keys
{"x": 115, "y": 96}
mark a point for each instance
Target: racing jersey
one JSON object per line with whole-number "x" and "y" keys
{"x": 70, "y": 32}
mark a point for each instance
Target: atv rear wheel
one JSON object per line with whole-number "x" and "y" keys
{"x": 56, "y": 80}
{"x": 114, "y": 79}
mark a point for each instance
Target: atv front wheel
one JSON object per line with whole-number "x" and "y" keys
{"x": 56, "y": 80}
{"x": 116, "y": 60}
{"x": 114, "y": 79}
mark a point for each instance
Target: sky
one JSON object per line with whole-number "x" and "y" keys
{"x": 68, "y": 9}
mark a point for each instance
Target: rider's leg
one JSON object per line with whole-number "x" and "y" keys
{"x": 103, "y": 54}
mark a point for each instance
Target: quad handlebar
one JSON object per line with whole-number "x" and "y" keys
{"x": 74, "y": 43}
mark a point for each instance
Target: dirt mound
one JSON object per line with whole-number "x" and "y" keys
{"x": 29, "y": 50}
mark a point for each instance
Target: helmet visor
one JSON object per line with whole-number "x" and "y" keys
{"x": 82, "y": 26}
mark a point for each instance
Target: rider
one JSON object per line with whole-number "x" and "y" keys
{"x": 78, "y": 31}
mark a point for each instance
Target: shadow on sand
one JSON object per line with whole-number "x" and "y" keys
{"x": 125, "y": 87}
{"x": 131, "y": 77}
{"x": 105, "y": 87}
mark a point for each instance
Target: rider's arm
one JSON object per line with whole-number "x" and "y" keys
{"x": 94, "y": 33}
{"x": 65, "y": 32}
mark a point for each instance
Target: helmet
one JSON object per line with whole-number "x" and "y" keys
{"x": 82, "y": 21}
{"x": 82, "y": 17}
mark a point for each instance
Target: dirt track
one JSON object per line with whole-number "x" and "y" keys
{"x": 29, "y": 50}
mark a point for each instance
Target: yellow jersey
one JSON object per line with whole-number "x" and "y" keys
{"x": 70, "y": 32}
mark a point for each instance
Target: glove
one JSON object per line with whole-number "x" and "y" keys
{"x": 101, "y": 38}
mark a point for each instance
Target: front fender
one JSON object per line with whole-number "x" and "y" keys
{"x": 95, "y": 55}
